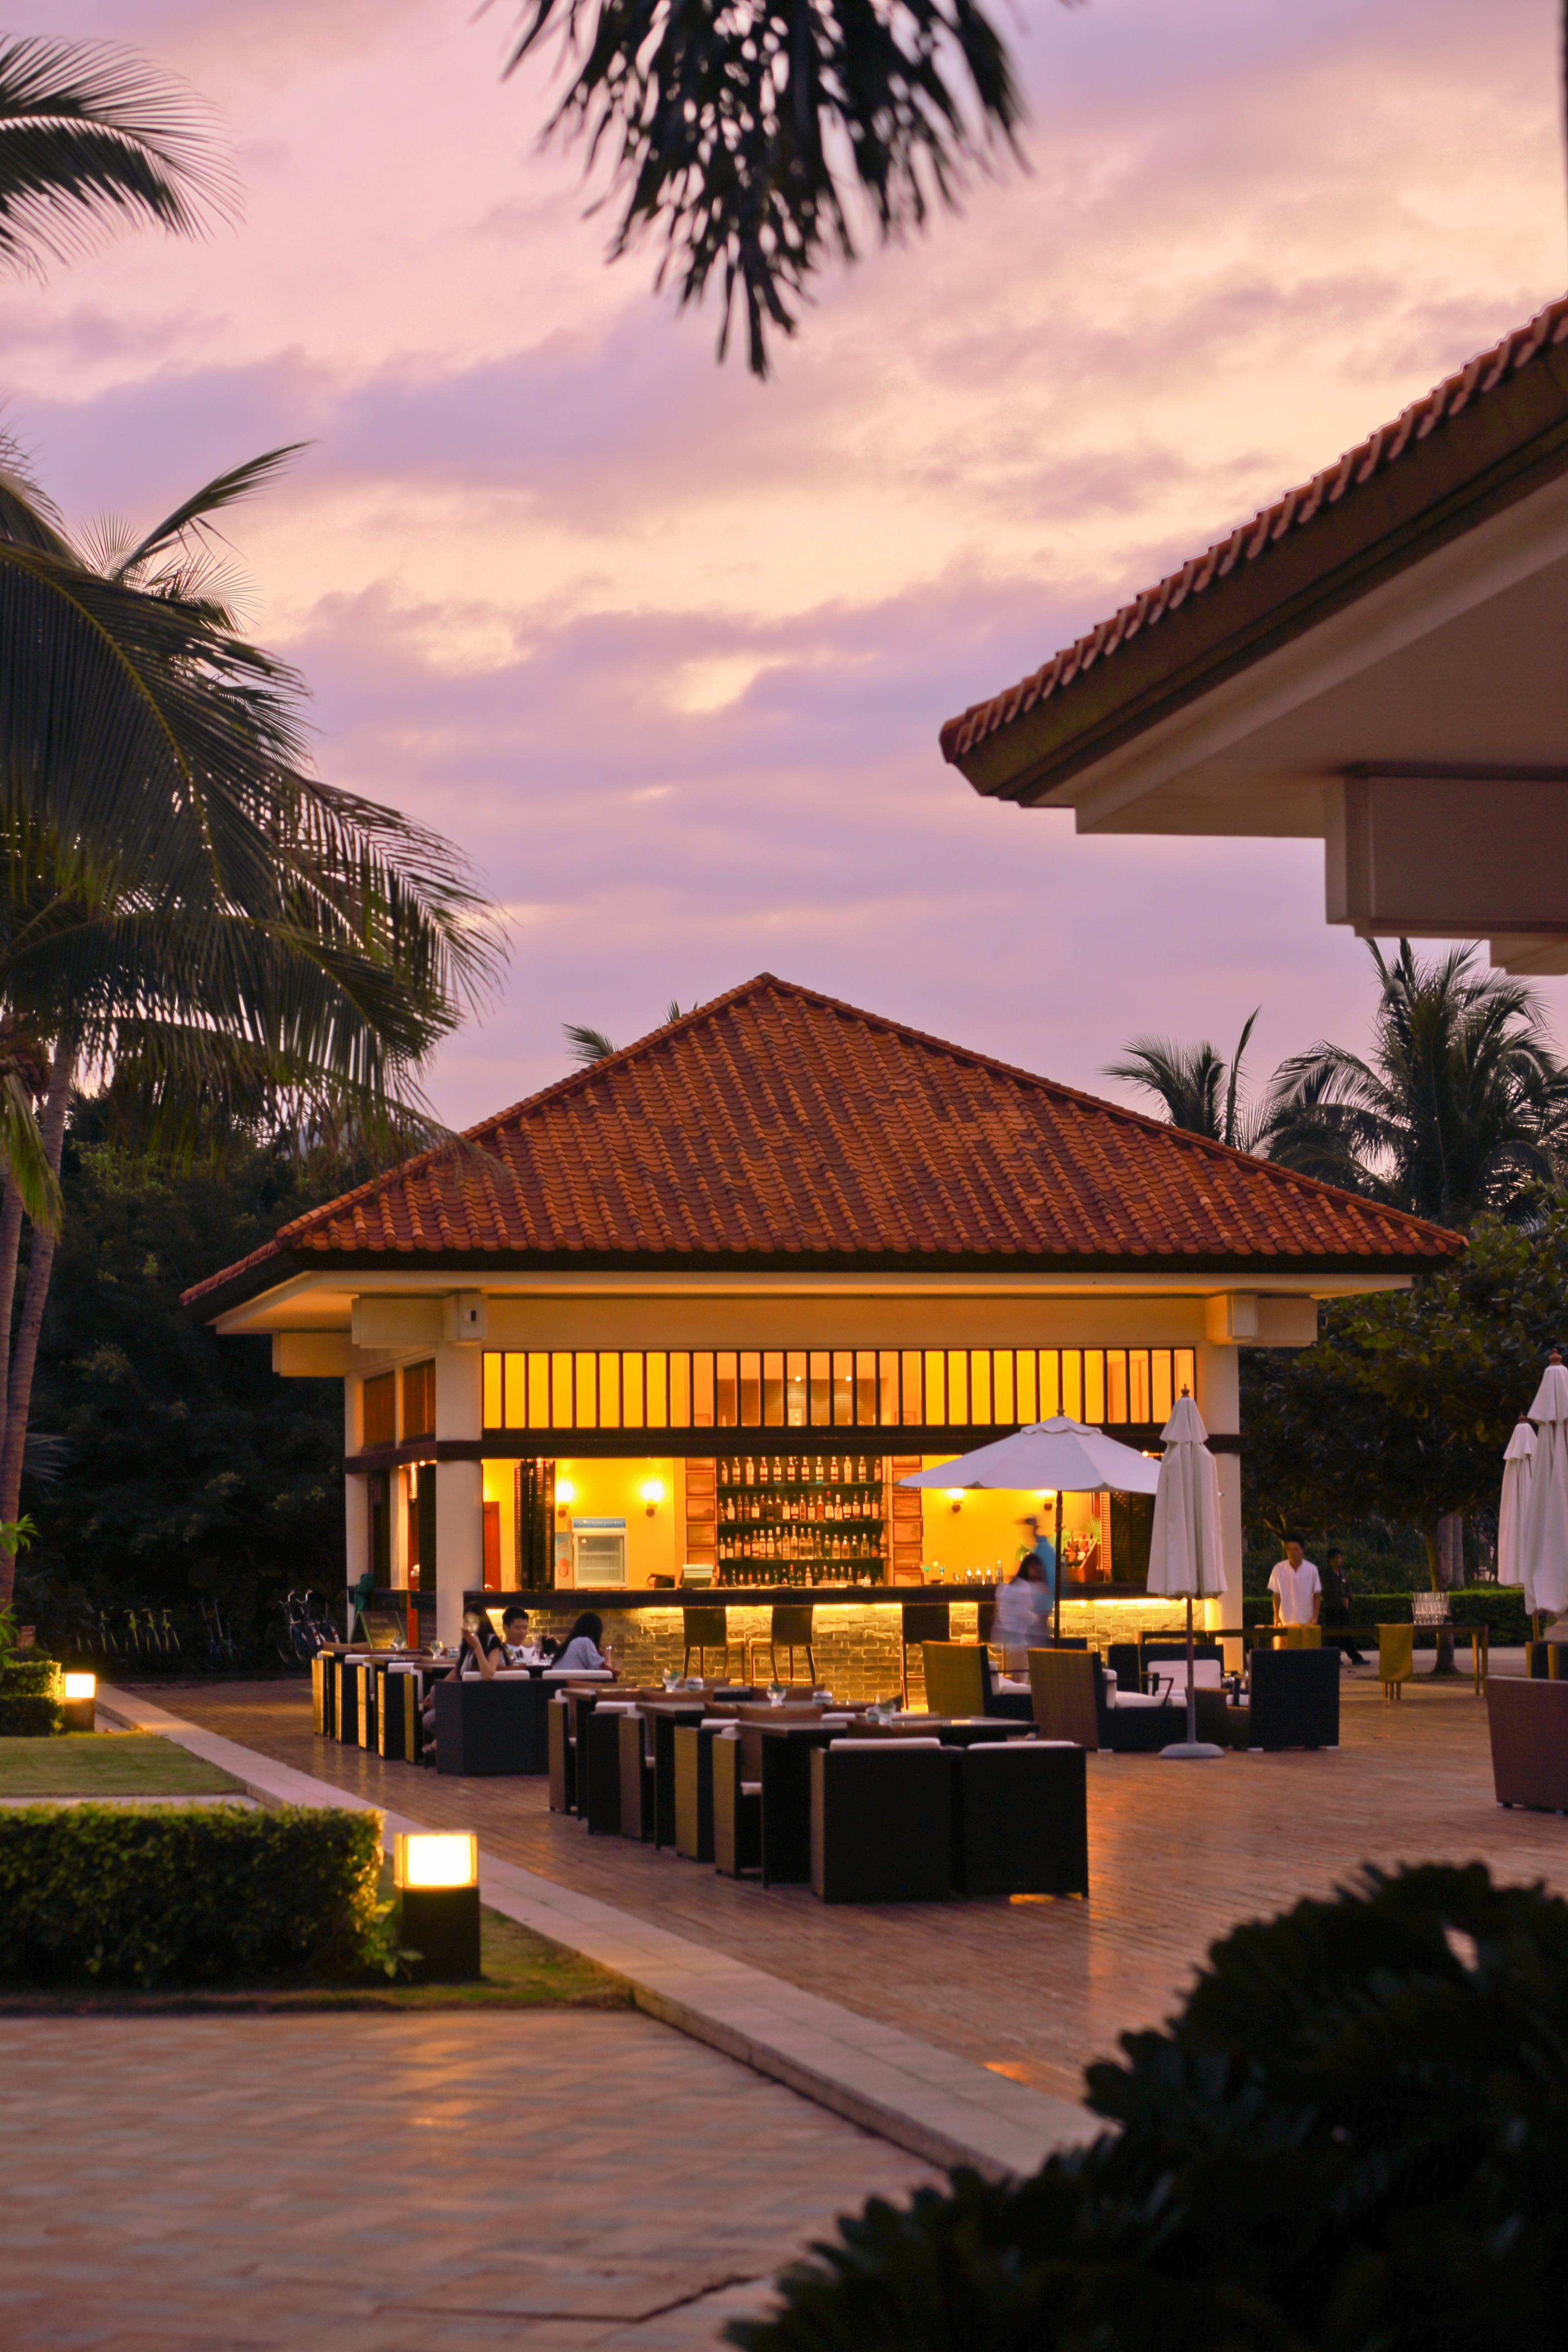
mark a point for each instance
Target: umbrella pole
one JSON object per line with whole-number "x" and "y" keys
{"x": 1057, "y": 1637}
{"x": 1192, "y": 1695}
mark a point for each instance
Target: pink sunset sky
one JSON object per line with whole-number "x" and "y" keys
{"x": 667, "y": 651}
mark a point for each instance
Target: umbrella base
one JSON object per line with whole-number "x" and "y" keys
{"x": 1186, "y": 1751}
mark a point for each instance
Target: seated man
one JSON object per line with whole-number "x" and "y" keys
{"x": 515, "y": 1634}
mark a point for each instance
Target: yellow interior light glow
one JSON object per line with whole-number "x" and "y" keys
{"x": 566, "y": 1493}
{"x": 81, "y": 1686}
{"x": 436, "y": 1858}
{"x": 652, "y": 1493}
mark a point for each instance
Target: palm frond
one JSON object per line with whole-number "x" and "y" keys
{"x": 26, "y": 1163}
{"x": 194, "y": 514}
{"x": 92, "y": 135}
{"x": 753, "y": 143}
{"x": 585, "y": 1046}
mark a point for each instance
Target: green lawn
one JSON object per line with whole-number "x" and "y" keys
{"x": 108, "y": 1764}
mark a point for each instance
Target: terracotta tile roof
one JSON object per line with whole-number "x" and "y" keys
{"x": 1399, "y": 445}
{"x": 776, "y": 1125}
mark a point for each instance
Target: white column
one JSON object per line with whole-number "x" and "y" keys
{"x": 1219, "y": 1402}
{"x": 356, "y": 1497}
{"x": 459, "y": 1488}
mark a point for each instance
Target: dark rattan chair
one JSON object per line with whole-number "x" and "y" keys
{"x": 881, "y": 1822}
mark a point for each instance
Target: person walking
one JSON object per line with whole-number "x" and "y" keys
{"x": 1023, "y": 1617}
{"x": 1337, "y": 1609}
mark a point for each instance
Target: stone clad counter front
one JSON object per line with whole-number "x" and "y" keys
{"x": 855, "y": 1643}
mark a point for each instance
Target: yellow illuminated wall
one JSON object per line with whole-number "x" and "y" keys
{"x": 614, "y": 1490}
{"x": 500, "y": 1488}
{"x": 984, "y": 1530}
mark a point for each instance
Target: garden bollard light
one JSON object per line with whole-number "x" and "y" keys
{"x": 436, "y": 1873}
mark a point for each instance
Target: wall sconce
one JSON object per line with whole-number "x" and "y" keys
{"x": 565, "y": 1494}
{"x": 436, "y": 1873}
{"x": 956, "y": 1497}
{"x": 80, "y": 1698}
{"x": 652, "y": 1493}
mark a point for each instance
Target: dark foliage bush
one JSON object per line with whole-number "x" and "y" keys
{"x": 185, "y": 1896}
{"x": 1500, "y": 1607}
{"x": 27, "y": 1717}
{"x": 30, "y": 1690}
{"x": 1351, "y": 2138}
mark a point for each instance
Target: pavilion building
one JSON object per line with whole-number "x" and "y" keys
{"x": 686, "y": 1317}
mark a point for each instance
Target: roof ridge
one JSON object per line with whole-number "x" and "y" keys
{"x": 1293, "y": 510}
{"x": 1299, "y": 1186}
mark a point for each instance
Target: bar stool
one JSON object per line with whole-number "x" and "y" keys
{"x": 924, "y": 1621}
{"x": 789, "y": 1628}
{"x": 705, "y": 1630}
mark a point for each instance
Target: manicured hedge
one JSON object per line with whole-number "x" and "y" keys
{"x": 1500, "y": 1607}
{"x": 30, "y": 1693}
{"x": 186, "y": 1894}
{"x": 1350, "y": 2137}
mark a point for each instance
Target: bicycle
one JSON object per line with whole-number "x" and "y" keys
{"x": 108, "y": 1648}
{"x": 220, "y": 1648}
{"x": 169, "y": 1633}
{"x": 303, "y": 1630}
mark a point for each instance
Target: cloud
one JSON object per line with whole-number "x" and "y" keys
{"x": 668, "y": 651}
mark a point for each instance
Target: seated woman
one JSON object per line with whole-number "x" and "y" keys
{"x": 481, "y": 1651}
{"x": 583, "y": 1651}
{"x": 481, "y": 1656}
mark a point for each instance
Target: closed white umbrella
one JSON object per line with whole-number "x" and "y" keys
{"x": 1059, "y": 1456}
{"x": 1518, "y": 1466}
{"x": 1543, "y": 1550}
{"x": 1185, "y": 1554}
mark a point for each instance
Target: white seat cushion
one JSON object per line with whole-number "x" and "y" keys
{"x": 1115, "y": 1697}
{"x": 1172, "y": 1673}
{"x": 882, "y": 1746}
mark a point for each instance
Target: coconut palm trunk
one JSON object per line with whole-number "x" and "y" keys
{"x": 24, "y": 1352}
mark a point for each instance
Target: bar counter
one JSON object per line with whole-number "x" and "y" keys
{"x": 855, "y": 1630}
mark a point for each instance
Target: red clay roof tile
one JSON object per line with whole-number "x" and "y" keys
{"x": 1251, "y": 541}
{"x": 775, "y": 1123}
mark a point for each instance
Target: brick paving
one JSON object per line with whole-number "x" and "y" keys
{"x": 1178, "y": 1852}
{"x": 403, "y": 2184}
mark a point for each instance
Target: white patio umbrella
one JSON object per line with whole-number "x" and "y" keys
{"x": 1059, "y": 1456}
{"x": 1543, "y": 1546}
{"x": 1517, "y": 1466}
{"x": 1186, "y": 1555}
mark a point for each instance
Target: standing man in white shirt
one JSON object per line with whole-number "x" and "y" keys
{"x": 1297, "y": 1587}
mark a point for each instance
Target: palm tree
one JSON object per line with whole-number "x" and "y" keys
{"x": 1460, "y": 1110}
{"x": 1200, "y": 1092}
{"x": 753, "y": 140}
{"x": 180, "y": 900}
{"x": 89, "y": 135}
{"x": 588, "y": 1046}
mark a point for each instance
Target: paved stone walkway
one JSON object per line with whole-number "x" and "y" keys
{"x": 1178, "y": 1852}
{"x": 403, "y": 2184}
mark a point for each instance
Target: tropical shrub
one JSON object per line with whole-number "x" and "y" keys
{"x": 1350, "y": 2136}
{"x": 187, "y": 1896}
{"x": 30, "y": 1695}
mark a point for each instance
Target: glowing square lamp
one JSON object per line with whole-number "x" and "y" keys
{"x": 81, "y": 1701}
{"x": 436, "y": 1873}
